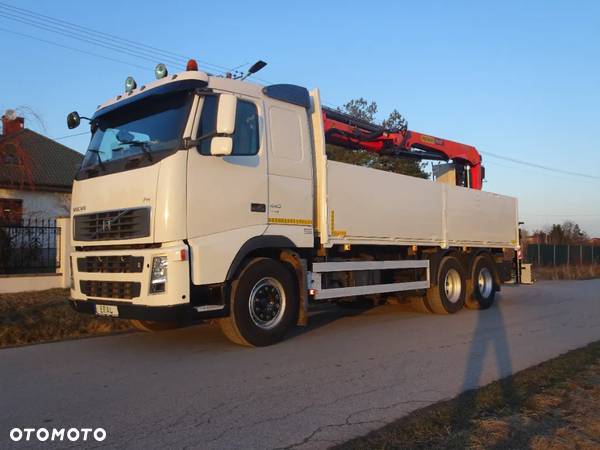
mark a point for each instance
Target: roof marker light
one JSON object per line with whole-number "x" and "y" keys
{"x": 160, "y": 71}
{"x": 191, "y": 65}
{"x": 130, "y": 85}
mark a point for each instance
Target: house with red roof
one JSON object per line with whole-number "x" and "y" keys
{"x": 36, "y": 173}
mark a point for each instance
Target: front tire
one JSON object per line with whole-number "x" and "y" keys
{"x": 263, "y": 304}
{"x": 481, "y": 287}
{"x": 448, "y": 294}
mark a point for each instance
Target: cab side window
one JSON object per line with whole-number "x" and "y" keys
{"x": 245, "y": 138}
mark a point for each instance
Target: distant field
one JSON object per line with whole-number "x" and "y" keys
{"x": 567, "y": 272}
{"x": 42, "y": 316}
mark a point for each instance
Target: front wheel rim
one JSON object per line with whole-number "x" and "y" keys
{"x": 267, "y": 303}
{"x": 485, "y": 282}
{"x": 452, "y": 285}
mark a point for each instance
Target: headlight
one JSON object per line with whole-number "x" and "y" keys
{"x": 158, "y": 276}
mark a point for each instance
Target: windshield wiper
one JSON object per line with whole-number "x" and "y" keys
{"x": 100, "y": 163}
{"x": 141, "y": 144}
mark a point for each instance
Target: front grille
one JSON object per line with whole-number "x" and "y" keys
{"x": 110, "y": 289}
{"x": 111, "y": 264}
{"x": 112, "y": 225}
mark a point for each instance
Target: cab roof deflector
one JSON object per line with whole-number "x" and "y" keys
{"x": 160, "y": 90}
{"x": 289, "y": 93}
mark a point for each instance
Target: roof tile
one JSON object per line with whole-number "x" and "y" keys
{"x": 53, "y": 165}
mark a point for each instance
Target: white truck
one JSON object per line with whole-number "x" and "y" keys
{"x": 209, "y": 197}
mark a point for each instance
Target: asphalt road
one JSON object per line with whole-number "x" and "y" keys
{"x": 342, "y": 376}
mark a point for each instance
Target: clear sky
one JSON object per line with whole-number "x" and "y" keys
{"x": 519, "y": 79}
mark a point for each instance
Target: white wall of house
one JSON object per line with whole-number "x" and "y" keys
{"x": 40, "y": 204}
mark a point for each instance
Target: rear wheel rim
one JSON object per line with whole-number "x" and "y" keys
{"x": 485, "y": 282}
{"x": 452, "y": 285}
{"x": 267, "y": 303}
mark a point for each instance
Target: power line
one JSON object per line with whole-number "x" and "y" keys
{"x": 70, "y": 25}
{"x": 112, "y": 47}
{"x": 560, "y": 215}
{"x": 539, "y": 166}
{"x": 98, "y": 37}
{"x": 105, "y": 40}
{"x": 70, "y": 136}
{"x": 539, "y": 172}
{"x": 73, "y": 48}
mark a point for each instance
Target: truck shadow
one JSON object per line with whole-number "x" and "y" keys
{"x": 206, "y": 336}
{"x": 323, "y": 315}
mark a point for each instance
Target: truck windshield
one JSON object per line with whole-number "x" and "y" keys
{"x": 144, "y": 130}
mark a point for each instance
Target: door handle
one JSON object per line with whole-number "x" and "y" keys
{"x": 258, "y": 207}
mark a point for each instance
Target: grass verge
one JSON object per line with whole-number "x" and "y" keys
{"x": 42, "y": 316}
{"x": 553, "y": 405}
{"x": 584, "y": 272}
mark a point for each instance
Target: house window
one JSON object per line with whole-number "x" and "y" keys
{"x": 11, "y": 211}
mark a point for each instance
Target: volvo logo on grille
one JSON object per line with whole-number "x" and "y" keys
{"x": 106, "y": 225}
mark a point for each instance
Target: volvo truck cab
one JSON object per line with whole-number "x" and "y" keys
{"x": 174, "y": 183}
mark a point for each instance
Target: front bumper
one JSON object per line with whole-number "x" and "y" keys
{"x": 177, "y": 313}
{"x": 122, "y": 277}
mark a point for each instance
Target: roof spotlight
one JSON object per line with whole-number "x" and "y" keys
{"x": 160, "y": 71}
{"x": 130, "y": 85}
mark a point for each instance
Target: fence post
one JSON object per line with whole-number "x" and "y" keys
{"x": 64, "y": 223}
{"x": 539, "y": 263}
{"x": 581, "y": 254}
{"x": 568, "y": 255}
{"x": 554, "y": 254}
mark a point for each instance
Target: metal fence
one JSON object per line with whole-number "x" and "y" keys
{"x": 31, "y": 246}
{"x": 562, "y": 254}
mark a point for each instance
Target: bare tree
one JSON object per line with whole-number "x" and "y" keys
{"x": 16, "y": 165}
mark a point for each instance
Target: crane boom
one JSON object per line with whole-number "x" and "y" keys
{"x": 347, "y": 131}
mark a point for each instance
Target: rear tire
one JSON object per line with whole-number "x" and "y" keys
{"x": 263, "y": 304}
{"x": 481, "y": 289}
{"x": 449, "y": 293}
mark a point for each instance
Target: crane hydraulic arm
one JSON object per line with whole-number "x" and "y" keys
{"x": 346, "y": 131}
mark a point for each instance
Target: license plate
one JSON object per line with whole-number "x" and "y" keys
{"x": 107, "y": 310}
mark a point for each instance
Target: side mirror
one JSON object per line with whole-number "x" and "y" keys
{"x": 221, "y": 146}
{"x": 226, "y": 114}
{"x": 73, "y": 120}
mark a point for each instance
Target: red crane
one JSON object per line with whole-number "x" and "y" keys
{"x": 346, "y": 131}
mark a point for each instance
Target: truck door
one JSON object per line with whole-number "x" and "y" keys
{"x": 290, "y": 173}
{"x": 226, "y": 196}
